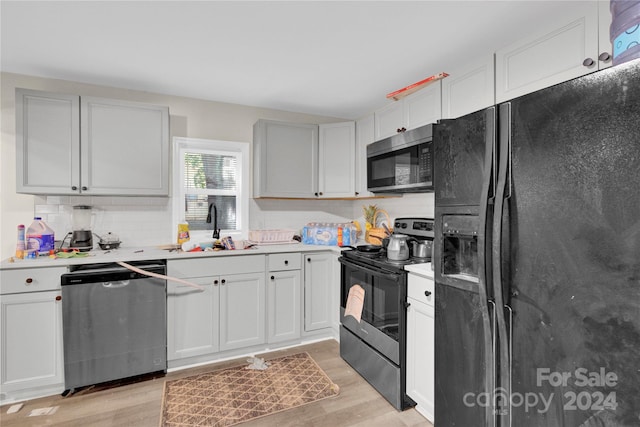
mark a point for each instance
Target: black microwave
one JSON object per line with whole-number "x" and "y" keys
{"x": 402, "y": 163}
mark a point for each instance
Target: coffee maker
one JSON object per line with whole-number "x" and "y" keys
{"x": 81, "y": 236}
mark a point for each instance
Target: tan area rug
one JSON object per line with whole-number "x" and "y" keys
{"x": 230, "y": 396}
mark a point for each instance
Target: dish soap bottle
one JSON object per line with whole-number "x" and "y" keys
{"x": 183, "y": 233}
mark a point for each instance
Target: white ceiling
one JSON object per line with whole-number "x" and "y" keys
{"x": 332, "y": 58}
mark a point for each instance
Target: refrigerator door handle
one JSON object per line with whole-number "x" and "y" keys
{"x": 505, "y": 148}
{"x": 508, "y": 368}
{"x": 504, "y": 360}
{"x": 488, "y": 192}
{"x": 491, "y": 154}
{"x": 494, "y": 364}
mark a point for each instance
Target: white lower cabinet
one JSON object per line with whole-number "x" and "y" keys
{"x": 420, "y": 344}
{"x": 192, "y": 318}
{"x": 31, "y": 333}
{"x": 318, "y": 282}
{"x": 228, "y": 314}
{"x": 283, "y": 303}
{"x": 242, "y": 310}
{"x": 284, "y": 297}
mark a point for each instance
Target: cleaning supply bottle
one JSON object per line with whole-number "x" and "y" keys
{"x": 40, "y": 237}
{"x": 20, "y": 244}
{"x": 183, "y": 232}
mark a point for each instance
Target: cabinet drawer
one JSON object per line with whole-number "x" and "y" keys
{"x": 421, "y": 288}
{"x": 216, "y": 266}
{"x": 30, "y": 279}
{"x": 281, "y": 262}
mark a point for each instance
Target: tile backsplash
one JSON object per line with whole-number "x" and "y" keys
{"x": 147, "y": 221}
{"x": 138, "y": 221}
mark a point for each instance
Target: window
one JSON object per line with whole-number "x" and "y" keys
{"x": 211, "y": 177}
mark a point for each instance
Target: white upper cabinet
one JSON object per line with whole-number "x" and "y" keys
{"x": 469, "y": 89}
{"x": 418, "y": 109}
{"x": 424, "y": 106}
{"x": 47, "y": 142}
{"x": 297, "y": 160}
{"x": 336, "y": 171}
{"x": 68, "y": 144}
{"x": 285, "y": 159}
{"x": 389, "y": 120}
{"x": 365, "y": 135}
{"x": 124, "y": 147}
{"x": 560, "y": 52}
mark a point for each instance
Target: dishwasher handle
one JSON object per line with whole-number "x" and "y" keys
{"x": 116, "y": 284}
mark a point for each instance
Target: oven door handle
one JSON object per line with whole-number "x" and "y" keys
{"x": 374, "y": 271}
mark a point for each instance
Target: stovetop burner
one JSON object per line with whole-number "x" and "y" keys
{"x": 417, "y": 228}
{"x": 380, "y": 259}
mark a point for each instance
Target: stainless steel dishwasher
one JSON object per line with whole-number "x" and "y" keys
{"x": 114, "y": 323}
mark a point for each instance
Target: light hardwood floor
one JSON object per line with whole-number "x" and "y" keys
{"x": 138, "y": 404}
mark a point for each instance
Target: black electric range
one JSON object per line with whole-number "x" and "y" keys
{"x": 373, "y": 305}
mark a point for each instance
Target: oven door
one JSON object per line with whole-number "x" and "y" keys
{"x": 383, "y": 319}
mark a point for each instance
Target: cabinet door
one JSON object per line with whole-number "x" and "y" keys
{"x": 336, "y": 156}
{"x": 125, "y": 148}
{"x": 317, "y": 291}
{"x": 283, "y": 306}
{"x": 365, "y": 135}
{"x": 468, "y": 89}
{"x": 47, "y": 142}
{"x": 192, "y": 318}
{"x": 424, "y": 106}
{"x": 285, "y": 159}
{"x": 605, "y": 48}
{"x": 552, "y": 56}
{"x": 389, "y": 120}
{"x": 421, "y": 356}
{"x": 242, "y": 310}
{"x": 31, "y": 333}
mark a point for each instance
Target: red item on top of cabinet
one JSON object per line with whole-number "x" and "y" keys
{"x": 401, "y": 93}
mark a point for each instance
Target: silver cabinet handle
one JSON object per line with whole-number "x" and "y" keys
{"x": 604, "y": 57}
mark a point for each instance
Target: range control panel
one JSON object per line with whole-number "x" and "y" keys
{"x": 417, "y": 227}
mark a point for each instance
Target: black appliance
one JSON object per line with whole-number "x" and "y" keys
{"x": 375, "y": 346}
{"x": 537, "y": 264}
{"x": 82, "y": 240}
{"x": 114, "y": 322}
{"x": 402, "y": 163}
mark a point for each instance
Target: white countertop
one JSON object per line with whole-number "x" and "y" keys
{"x": 423, "y": 269}
{"x": 151, "y": 252}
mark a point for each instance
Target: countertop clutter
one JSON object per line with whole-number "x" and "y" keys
{"x": 154, "y": 252}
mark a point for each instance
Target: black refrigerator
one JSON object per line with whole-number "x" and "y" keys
{"x": 537, "y": 258}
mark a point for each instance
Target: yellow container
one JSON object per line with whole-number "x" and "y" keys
{"x": 183, "y": 233}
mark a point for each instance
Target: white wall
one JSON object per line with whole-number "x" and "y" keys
{"x": 143, "y": 221}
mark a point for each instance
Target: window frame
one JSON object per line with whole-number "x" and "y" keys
{"x": 212, "y": 146}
